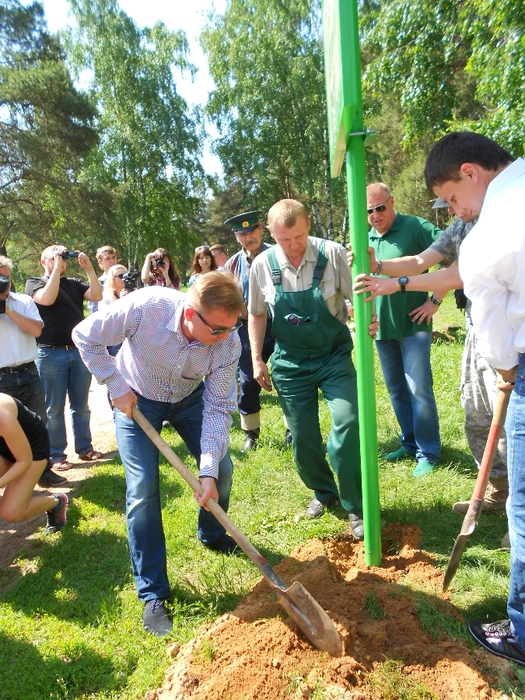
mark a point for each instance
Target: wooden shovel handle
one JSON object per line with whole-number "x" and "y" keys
{"x": 498, "y": 419}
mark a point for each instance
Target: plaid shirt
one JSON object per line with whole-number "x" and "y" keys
{"x": 158, "y": 362}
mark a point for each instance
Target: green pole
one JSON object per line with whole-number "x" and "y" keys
{"x": 345, "y": 120}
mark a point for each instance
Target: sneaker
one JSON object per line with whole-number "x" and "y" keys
{"x": 155, "y": 618}
{"x": 499, "y": 639}
{"x": 398, "y": 455}
{"x": 357, "y": 529}
{"x": 225, "y": 545}
{"x": 250, "y": 441}
{"x": 49, "y": 478}
{"x": 288, "y": 440}
{"x": 57, "y": 516}
{"x": 316, "y": 507}
{"x": 424, "y": 467}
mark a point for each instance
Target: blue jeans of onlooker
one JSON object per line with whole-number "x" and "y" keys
{"x": 143, "y": 509}
{"x": 515, "y": 428}
{"x": 64, "y": 374}
{"x": 408, "y": 376}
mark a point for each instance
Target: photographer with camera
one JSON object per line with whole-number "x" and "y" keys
{"x": 119, "y": 282}
{"x": 159, "y": 271}
{"x": 106, "y": 257}
{"x": 60, "y": 302}
{"x": 20, "y": 325}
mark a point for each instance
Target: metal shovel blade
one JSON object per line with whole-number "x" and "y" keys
{"x": 304, "y": 610}
{"x": 470, "y": 520}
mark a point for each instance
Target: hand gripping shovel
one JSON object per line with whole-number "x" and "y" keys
{"x": 470, "y": 520}
{"x": 298, "y": 603}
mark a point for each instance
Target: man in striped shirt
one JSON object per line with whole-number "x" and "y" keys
{"x": 178, "y": 363}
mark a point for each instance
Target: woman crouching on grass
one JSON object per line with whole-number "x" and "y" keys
{"x": 24, "y": 452}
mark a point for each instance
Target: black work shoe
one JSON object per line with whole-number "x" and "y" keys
{"x": 357, "y": 529}
{"x": 57, "y": 516}
{"x": 316, "y": 507}
{"x": 225, "y": 544}
{"x": 155, "y": 618}
{"x": 49, "y": 478}
{"x": 250, "y": 440}
{"x": 288, "y": 440}
{"x": 498, "y": 639}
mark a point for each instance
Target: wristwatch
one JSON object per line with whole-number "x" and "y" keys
{"x": 436, "y": 302}
{"x": 403, "y": 281}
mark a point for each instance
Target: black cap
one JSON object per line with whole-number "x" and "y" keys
{"x": 244, "y": 223}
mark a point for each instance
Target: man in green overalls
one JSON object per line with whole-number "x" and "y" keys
{"x": 305, "y": 281}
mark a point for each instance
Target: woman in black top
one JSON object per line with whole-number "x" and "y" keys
{"x": 24, "y": 452}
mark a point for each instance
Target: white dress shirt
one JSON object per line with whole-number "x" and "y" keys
{"x": 17, "y": 347}
{"x": 492, "y": 267}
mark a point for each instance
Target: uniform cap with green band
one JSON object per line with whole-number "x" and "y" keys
{"x": 245, "y": 222}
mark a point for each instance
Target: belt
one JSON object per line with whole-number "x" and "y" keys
{"x": 59, "y": 347}
{"x": 17, "y": 369}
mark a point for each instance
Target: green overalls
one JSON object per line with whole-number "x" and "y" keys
{"x": 313, "y": 351}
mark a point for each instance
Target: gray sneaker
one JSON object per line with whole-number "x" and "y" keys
{"x": 155, "y": 618}
{"x": 57, "y": 516}
{"x": 357, "y": 529}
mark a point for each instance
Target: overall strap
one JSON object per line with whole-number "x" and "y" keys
{"x": 319, "y": 266}
{"x": 276, "y": 270}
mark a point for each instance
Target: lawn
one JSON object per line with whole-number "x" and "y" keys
{"x": 70, "y": 621}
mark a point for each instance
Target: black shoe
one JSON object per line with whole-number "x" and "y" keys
{"x": 49, "y": 478}
{"x": 288, "y": 440}
{"x": 225, "y": 544}
{"x": 357, "y": 529}
{"x": 155, "y": 618}
{"x": 316, "y": 507}
{"x": 57, "y": 516}
{"x": 498, "y": 639}
{"x": 250, "y": 441}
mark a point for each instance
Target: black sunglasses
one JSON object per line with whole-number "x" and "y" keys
{"x": 379, "y": 209}
{"x": 218, "y": 331}
{"x": 121, "y": 275}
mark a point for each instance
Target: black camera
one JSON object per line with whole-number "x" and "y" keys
{"x": 160, "y": 262}
{"x": 2, "y": 306}
{"x": 130, "y": 280}
{"x": 5, "y": 283}
{"x": 66, "y": 254}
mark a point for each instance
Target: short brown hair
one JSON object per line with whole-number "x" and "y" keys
{"x": 286, "y": 212}
{"x": 216, "y": 290}
{"x": 219, "y": 248}
{"x": 105, "y": 249}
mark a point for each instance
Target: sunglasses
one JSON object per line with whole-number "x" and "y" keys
{"x": 379, "y": 209}
{"x": 218, "y": 331}
{"x": 121, "y": 275}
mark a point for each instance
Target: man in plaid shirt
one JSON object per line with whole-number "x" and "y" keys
{"x": 178, "y": 363}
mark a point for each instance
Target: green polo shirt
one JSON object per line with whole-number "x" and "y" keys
{"x": 408, "y": 235}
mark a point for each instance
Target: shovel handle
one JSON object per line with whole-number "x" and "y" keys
{"x": 211, "y": 503}
{"x": 498, "y": 419}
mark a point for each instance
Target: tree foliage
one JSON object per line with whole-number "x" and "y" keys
{"x": 45, "y": 135}
{"x": 149, "y": 139}
{"x": 265, "y": 57}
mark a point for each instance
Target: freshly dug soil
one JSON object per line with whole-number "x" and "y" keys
{"x": 257, "y": 653}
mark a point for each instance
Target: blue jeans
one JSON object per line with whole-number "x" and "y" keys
{"x": 515, "y": 428}
{"x": 143, "y": 509}
{"x": 63, "y": 373}
{"x": 408, "y": 376}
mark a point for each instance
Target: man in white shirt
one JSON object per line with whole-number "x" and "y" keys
{"x": 20, "y": 325}
{"x": 471, "y": 171}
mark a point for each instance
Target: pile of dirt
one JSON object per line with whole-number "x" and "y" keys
{"x": 257, "y": 652}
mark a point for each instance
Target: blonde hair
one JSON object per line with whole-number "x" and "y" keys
{"x": 110, "y": 293}
{"x": 286, "y": 212}
{"x": 216, "y": 290}
{"x": 48, "y": 252}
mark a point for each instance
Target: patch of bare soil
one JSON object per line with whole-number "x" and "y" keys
{"x": 14, "y": 536}
{"x": 257, "y": 653}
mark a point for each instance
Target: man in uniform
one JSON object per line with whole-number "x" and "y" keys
{"x": 305, "y": 281}
{"x": 249, "y": 233}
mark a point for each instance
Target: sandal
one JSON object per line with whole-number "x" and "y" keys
{"x": 91, "y": 456}
{"x": 62, "y": 466}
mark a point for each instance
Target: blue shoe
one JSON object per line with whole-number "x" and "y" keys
{"x": 156, "y": 619}
{"x": 397, "y": 456}
{"x": 424, "y": 467}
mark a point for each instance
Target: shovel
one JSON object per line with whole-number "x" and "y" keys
{"x": 304, "y": 610}
{"x": 470, "y": 520}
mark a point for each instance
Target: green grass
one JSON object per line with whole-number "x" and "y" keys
{"x": 70, "y": 622}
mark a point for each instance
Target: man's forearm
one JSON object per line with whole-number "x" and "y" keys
{"x": 441, "y": 281}
{"x": 28, "y": 325}
{"x": 94, "y": 293}
{"x": 256, "y": 332}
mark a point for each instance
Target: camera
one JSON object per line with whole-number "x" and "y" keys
{"x": 130, "y": 280}
{"x": 66, "y": 254}
{"x": 160, "y": 262}
{"x": 2, "y": 306}
{"x": 5, "y": 283}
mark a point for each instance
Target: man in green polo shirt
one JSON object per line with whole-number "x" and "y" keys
{"x": 402, "y": 344}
